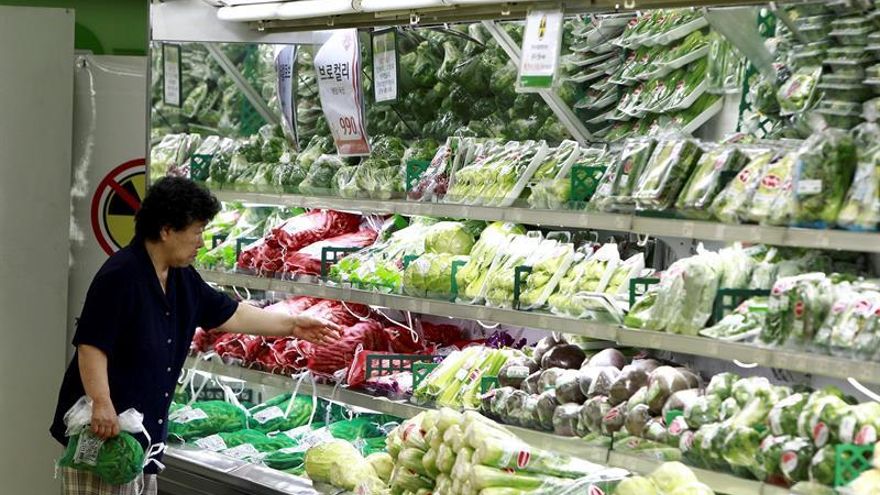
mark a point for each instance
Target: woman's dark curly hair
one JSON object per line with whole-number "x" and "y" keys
{"x": 174, "y": 202}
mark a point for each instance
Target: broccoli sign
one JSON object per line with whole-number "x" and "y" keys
{"x": 338, "y": 65}
{"x": 117, "y": 198}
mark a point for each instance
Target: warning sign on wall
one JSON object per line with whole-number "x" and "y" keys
{"x": 116, "y": 200}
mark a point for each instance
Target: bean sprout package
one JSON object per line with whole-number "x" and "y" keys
{"x": 118, "y": 460}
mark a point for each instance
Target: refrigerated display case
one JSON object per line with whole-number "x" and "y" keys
{"x": 696, "y": 190}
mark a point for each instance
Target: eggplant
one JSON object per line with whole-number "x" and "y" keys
{"x": 568, "y": 389}
{"x": 630, "y": 379}
{"x": 546, "y": 344}
{"x": 515, "y": 371}
{"x": 586, "y": 376}
{"x": 565, "y": 419}
{"x": 603, "y": 380}
{"x": 531, "y": 384}
{"x": 665, "y": 381}
{"x": 637, "y": 420}
{"x": 548, "y": 378}
{"x": 591, "y": 415}
{"x": 613, "y": 420}
{"x": 547, "y": 404}
{"x": 566, "y": 356}
{"x": 607, "y": 357}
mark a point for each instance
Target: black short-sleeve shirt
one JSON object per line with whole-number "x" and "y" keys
{"x": 145, "y": 333}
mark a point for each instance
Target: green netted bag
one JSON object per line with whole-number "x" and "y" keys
{"x": 201, "y": 419}
{"x": 281, "y": 413}
{"x": 118, "y": 460}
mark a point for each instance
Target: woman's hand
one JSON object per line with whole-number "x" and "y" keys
{"x": 105, "y": 422}
{"x": 316, "y": 330}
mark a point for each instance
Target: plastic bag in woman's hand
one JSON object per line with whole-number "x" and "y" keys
{"x": 117, "y": 460}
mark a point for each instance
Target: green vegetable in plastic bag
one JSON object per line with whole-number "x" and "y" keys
{"x": 796, "y": 94}
{"x": 206, "y": 418}
{"x": 665, "y": 174}
{"x": 861, "y": 210}
{"x": 730, "y": 202}
{"x": 279, "y": 414}
{"x": 450, "y": 238}
{"x": 822, "y": 466}
{"x": 705, "y": 183}
{"x": 620, "y": 179}
{"x": 337, "y": 462}
{"x": 119, "y": 459}
{"x": 776, "y": 179}
{"x": 823, "y": 174}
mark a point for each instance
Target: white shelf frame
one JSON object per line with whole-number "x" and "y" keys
{"x": 575, "y": 447}
{"x": 800, "y": 361}
{"x": 868, "y": 242}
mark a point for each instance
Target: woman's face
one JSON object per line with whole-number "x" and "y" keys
{"x": 181, "y": 246}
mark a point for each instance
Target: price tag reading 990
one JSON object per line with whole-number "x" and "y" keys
{"x": 349, "y": 126}
{"x": 338, "y": 69}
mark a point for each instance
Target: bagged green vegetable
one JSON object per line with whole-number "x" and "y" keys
{"x": 620, "y": 179}
{"x": 319, "y": 180}
{"x": 686, "y": 294}
{"x": 776, "y": 179}
{"x": 282, "y": 413}
{"x": 201, "y": 419}
{"x": 796, "y": 94}
{"x": 549, "y": 264}
{"x": 823, "y": 174}
{"x": 861, "y": 210}
{"x": 337, "y": 462}
{"x": 665, "y": 174}
{"x": 471, "y": 277}
{"x": 118, "y": 460}
{"x": 729, "y": 203}
{"x": 705, "y": 183}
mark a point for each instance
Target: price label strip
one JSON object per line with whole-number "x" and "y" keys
{"x": 385, "y": 66}
{"x": 171, "y": 75}
{"x": 285, "y": 85}
{"x": 338, "y": 65}
{"x": 542, "y": 40}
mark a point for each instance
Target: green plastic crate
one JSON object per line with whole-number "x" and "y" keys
{"x": 850, "y": 461}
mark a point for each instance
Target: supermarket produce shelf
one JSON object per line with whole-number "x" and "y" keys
{"x": 196, "y": 472}
{"x": 793, "y": 360}
{"x": 575, "y": 447}
{"x": 417, "y": 305}
{"x": 690, "y": 229}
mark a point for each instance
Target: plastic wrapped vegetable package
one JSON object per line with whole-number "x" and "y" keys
{"x": 430, "y": 275}
{"x": 728, "y": 204}
{"x": 117, "y": 460}
{"x": 620, "y": 179}
{"x": 670, "y": 165}
{"x": 201, "y": 419}
{"x": 686, "y": 294}
{"x": 823, "y": 174}
{"x": 774, "y": 184}
{"x": 861, "y": 210}
{"x": 705, "y": 183}
{"x": 471, "y": 277}
{"x": 549, "y": 264}
{"x": 590, "y": 274}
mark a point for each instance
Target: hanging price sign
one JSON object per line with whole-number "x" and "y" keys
{"x": 338, "y": 65}
{"x": 385, "y": 66}
{"x": 172, "y": 94}
{"x": 540, "y": 51}
{"x": 285, "y": 85}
